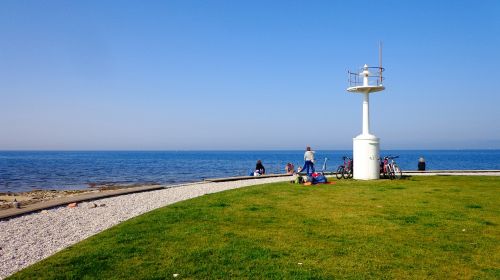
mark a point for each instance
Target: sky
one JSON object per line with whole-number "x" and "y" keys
{"x": 246, "y": 75}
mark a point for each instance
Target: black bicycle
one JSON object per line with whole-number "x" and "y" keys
{"x": 345, "y": 170}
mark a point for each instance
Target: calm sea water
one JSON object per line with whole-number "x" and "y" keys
{"x": 24, "y": 171}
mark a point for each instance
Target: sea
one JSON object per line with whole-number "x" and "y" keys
{"x": 72, "y": 170}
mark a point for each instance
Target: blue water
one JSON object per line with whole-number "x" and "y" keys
{"x": 24, "y": 171}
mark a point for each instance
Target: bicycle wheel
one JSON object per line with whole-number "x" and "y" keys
{"x": 398, "y": 174}
{"x": 339, "y": 173}
{"x": 345, "y": 174}
{"x": 385, "y": 172}
{"x": 348, "y": 173}
{"x": 390, "y": 171}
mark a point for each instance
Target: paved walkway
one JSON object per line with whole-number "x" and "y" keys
{"x": 10, "y": 213}
{"x": 453, "y": 172}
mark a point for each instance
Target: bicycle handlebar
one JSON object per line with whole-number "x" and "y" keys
{"x": 391, "y": 157}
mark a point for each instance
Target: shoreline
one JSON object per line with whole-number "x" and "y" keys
{"x": 32, "y": 198}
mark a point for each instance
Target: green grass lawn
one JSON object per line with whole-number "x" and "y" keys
{"x": 444, "y": 227}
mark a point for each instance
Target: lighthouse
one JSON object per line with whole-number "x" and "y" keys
{"x": 366, "y": 146}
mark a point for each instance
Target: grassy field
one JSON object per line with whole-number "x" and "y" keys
{"x": 444, "y": 227}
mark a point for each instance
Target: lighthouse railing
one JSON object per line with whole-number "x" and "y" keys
{"x": 375, "y": 78}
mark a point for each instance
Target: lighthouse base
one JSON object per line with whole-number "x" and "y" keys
{"x": 366, "y": 157}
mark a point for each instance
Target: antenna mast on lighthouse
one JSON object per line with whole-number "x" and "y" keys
{"x": 380, "y": 60}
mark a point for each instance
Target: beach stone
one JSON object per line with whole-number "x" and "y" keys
{"x": 72, "y": 205}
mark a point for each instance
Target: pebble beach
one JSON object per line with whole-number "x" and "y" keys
{"x": 28, "y": 239}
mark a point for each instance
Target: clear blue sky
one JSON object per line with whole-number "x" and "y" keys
{"x": 184, "y": 75}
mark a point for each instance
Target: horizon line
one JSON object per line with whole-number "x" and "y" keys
{"x": 231, "y": 150}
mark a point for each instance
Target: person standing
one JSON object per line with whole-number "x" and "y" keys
{"x": 308, "y": 161}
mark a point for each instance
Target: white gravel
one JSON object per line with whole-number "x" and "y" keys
{"x": 28, "y": 239}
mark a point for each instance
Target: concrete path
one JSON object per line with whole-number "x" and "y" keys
{"x": 453, "y": 172}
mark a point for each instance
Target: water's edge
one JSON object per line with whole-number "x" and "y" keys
{"x": 29, "y": 170}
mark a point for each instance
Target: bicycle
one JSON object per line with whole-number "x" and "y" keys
{"x": 345, "y": 170}
{"x": 389, "y": 168}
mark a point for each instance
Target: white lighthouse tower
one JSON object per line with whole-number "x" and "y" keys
{"x": 366, "y": 146}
